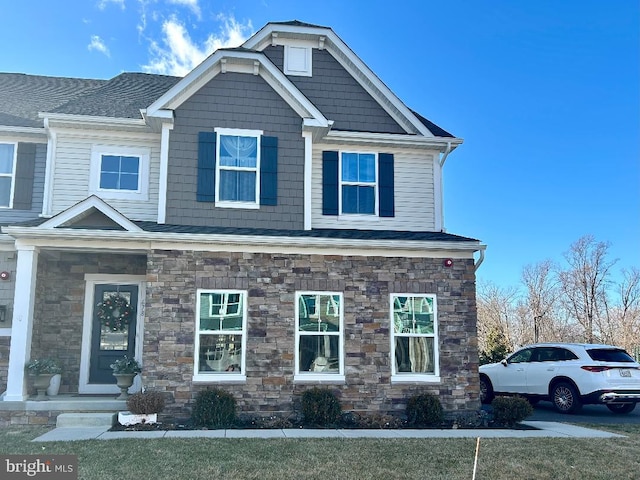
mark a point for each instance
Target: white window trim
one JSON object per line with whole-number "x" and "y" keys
{"x": 12, "y": 175}
{"x": 321, "y": 377}
{"x": 408, "y": 377}
{"x": 308, "y": 52}
{"x": 376, "y": 186}
{"x": 218, "y": 377}
{"x": 241, "y": 133}
{"x": 97, "y": 151}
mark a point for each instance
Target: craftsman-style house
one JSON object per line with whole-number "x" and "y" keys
{"x": 271, "y": 221}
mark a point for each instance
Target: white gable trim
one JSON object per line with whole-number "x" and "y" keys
{"x": 275, "y": 34}
{"x": 226, "y": 61}
{"x": 83, "y": 207}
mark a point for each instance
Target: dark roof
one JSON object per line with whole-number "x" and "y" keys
{"x": 298, "y": 23}
{"x": 23, "y": 96}
{"x": 122, "y": 96}
{"x": 315, "y": 233}
{"x": 433, "y": 128}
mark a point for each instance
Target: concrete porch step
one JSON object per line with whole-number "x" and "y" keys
{"x": 91, "y": 419}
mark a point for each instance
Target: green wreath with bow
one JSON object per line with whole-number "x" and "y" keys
{"x": 115, "y": 313}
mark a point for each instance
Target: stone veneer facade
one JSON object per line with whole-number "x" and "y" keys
{"x": 59, "y": 307}
{"x": 271, "y": 280}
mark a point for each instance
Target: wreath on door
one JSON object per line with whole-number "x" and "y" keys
{"x": 115, "y": 313}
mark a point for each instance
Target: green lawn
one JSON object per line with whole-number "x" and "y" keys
{"x": 342, "y": 459}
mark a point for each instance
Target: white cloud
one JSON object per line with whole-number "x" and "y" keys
{"x": 98, "y": 44}
{"x": 191, "y": 4}
{"x": 102, "y": 4}
{"x": 179, "y": 54}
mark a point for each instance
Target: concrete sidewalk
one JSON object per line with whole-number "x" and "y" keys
{"x": 545, "y": 429}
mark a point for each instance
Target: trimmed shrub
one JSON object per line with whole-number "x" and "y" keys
{"x": 424, "y": 410}
{"x": 507, "y": 411}
{"x": 214, "y": 408}
{"x": 320, "y": 407}
{"x": 144, "y": 403}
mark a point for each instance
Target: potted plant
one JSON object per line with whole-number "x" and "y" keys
{"x": 41, "y": 370}
{"x": 125, "y": 369}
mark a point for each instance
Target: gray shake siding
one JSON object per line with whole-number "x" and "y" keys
{"x": 338, "y": 95}
{"x": 235, "y": 100}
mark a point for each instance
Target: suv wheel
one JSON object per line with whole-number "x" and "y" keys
{"x": 621, "y": 407}
{"x": 565, "y": 398}
{"x": 486, "y": 390}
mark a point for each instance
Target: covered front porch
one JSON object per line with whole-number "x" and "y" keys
{"x": 60, "y": 281}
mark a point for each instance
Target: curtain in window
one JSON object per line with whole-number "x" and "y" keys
{"x": 238, "y": 151}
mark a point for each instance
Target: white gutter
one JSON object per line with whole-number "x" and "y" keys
{"x": 110, "y": 239}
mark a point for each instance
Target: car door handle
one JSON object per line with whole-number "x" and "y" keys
{"x": 550, "y": 369}
{"x": 520, "y": 370}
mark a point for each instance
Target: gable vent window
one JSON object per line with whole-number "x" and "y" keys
{"x": 297, "y": 60}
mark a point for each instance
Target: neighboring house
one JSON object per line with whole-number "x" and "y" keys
{"x": 273, "y": 220}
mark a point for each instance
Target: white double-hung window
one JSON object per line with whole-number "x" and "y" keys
{"x": 238, "y": 168}
{"x": 319, "y": 336}
{"x": 7, "y": 173}
{"x": 414, "y": 337}
{"x": 220, "y": 341}
{"x": 358, "y": 184}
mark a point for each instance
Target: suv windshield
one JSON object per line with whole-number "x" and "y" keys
{"x": 610, "y": 355}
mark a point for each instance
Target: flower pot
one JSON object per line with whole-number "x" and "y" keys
{"x": 54, "y": 385}
{"x": 124, "y": 382}
{"x": 41, "y": 383}
{"x": 128, "y": 418}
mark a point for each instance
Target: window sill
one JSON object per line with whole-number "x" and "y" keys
{"x": 219, "y": 378}
{"x": 349, "y": 217}
{"x": 319, "y": 378}
{"x": 5, "y": 332}
{"x": 415, "y": 378}
{"x": 249, "y": 205}
{"x": 120, "y": 195}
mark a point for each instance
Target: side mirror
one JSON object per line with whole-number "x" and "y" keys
{"x": 504, "y": 362}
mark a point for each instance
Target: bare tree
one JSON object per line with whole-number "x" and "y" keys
{"x": 623, "y": 311}
{"x": 540, "y": 299}
{"x": 496, "y": 313}
{"x": 584, "y": 282}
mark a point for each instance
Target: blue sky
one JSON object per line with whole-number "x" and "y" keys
{"x": 545, "y": 94}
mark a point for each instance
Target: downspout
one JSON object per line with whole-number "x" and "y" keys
{"x": 443, "y": 159}
{"x": 476, "y": 266}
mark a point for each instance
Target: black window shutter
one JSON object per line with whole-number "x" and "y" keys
{"x": 269, "y": 170}
{"x": 386, "y": 185}
{"x": 330, "y": 183}
{"x": 206, "y": 167}
{"x": 25, "y": 172}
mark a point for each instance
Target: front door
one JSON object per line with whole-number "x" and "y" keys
{"x": 113, "y": 329}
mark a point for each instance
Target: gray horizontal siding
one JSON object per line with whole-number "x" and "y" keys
{"x": 235, "y": 100}
{"x": 8, "y": 216}
{"x": 338, "y": 95}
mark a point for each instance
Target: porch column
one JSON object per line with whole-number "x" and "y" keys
{"x": 22, "y": 326}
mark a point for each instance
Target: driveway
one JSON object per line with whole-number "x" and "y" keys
{"x": 544, "y": 411}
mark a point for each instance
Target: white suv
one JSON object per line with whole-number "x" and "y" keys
{"x": 567, "y": 374}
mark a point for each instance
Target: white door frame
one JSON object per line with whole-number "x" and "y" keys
{"x": 91, "y": 280}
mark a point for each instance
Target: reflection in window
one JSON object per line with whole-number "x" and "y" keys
{"x": 414, "y": 334}
{"x": 319, "y": 330}
{"x": 221, "y": 331}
